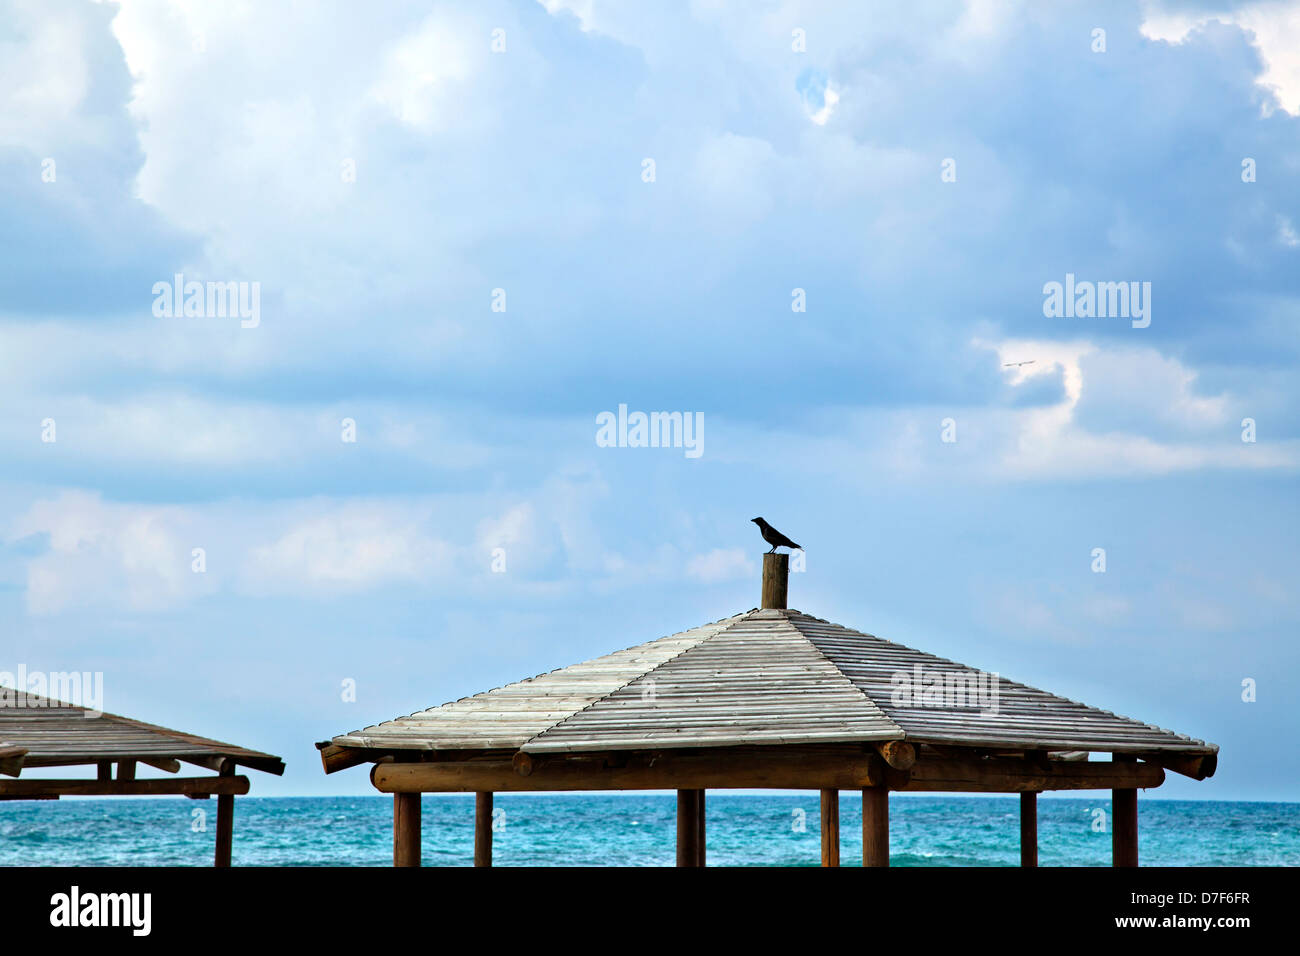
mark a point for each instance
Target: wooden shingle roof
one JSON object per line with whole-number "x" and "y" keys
{"x": 42, "y": 732}
{"x": 770, "y": 676}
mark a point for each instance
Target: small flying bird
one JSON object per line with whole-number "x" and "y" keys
{"x": 773, "y": 537}
{"x": 1018, "y": 364}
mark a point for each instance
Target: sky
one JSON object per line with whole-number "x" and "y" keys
{"x": 825, "y": 231}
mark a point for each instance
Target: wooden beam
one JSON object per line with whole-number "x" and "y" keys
{"x": 827, "y": 768}
{"x": 126, "y": 770}
{"x": 165, "y": 764}
{"x": 272, "y": 765}
{"x": 1039, "y": 758}
{"x": 209, "y": 762}
{"x": 523, "y": 763}
{"x": 1029, "y": 829}
{"x": 406, "y": 829}
{"x": 216, "y": 761}
{"x": 11, "y": 759}
{"x": 1070, "y": 755}
{"x": 482, "y": 829}
{"x": 124, "y": 788}
{"x": 334, "y": 759}
{"x": 701, "y": 770}
{"x": 1000, "y": 775}
{"x": 690, "y": 828}
{"x": 899, "y": 754}
{"x": 212, "y": 762}
{"x": 875, "y": 826}
{"x": 830, "y": 818}
{"x": 1197, "y": 766}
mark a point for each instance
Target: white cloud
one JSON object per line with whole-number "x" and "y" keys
{"x": 530, "y": 544}
{"x": 1122, "y": 390}
{"x": 43, "y": 79}
{"x": 101, "y": 553}
{"x": 516, "y": 526}
{"x": 830, "y": 98}
{"x": 92, "y": 553}
{"x": 1276, "y": 29}
{"x": 140, "y": 557}
{"x": 1028, "y": 614}
{"x": 582, "y": 10}
{"x": 1158, "y": 388}
{"x": 349, "y": 546}
{"x": 1286, "y": 233}
{"x": 1124, "y": 412}
{"x": 1105, "y": 609}
{"x": 421, "y": 75}
{"x": 720, "y": 564}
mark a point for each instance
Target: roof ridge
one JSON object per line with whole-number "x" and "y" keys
{"x": 732, "y": 622}
{"x": 844, "y": 677}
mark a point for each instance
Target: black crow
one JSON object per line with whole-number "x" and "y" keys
{"x": 773, "y": 537}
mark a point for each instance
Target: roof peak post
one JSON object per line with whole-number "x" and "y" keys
{"x": 776, "y": 579}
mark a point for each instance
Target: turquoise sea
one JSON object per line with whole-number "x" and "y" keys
{"x": 634, "y": 830}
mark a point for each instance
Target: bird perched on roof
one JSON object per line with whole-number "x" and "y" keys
{"x": 773, "y": 537}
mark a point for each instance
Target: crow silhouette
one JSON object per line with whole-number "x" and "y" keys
{"x": 773, "y": 537}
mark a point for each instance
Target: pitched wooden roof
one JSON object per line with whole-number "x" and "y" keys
{"x": 41, "y": 732}
{"x": 763, "y": 677}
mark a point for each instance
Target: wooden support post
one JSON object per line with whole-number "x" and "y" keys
{"x": 701, "y": 838}
{"x": 225, "y": 829}
{"x": 225, "y": 815}
{"x": 1029, "y": 829}
{"x": 482, "y": 829}
{"x": 406, "y": 829}
{"x": 690, "y": 827}
{"x": 1124, "y": 827}
{"x": 830, "y": 828}
{"x": 1124, "y": 821}
{"x": 776, "y": 580}
{"x": 875, "y": 826}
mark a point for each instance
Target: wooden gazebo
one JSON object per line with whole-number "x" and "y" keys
{"x": 771, "y": 698}
{"x": 38, "y": 731}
